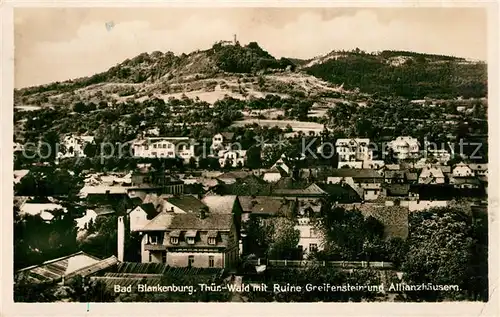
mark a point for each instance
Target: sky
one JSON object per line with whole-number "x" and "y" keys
{"x": 56, "y": 44}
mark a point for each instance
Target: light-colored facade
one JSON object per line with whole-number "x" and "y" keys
{"x": 191, "y": 240}
{"x": 431, "y": 175}
{"x": 164, "y": 147}
{"x": 462, "y": 170}
{"x": 405, "y": 147}
{"x": 353, "y": 151}
{"x": 73, "y": 146}
{"x": 237, "y": 158}
{"x": 310, "y": 238}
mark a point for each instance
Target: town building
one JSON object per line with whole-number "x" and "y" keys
{"x": 462, "y": 170}
{"x": 202, "y": 239}
{"x": 73, "y": 146}
{"x": 222, "y": 140}
{"x": 232, "y": 158}
{"x": 353, "y": 152}
{"x": 431, "y": 175}
{"x": 164, "y": 147}
{"x": 404, "y": 147}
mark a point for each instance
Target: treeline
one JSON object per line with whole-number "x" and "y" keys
{"x": 247, "y": 59}
{"x": 415, "y": 78}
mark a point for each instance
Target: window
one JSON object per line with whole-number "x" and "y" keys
{"x": 313, "y": 247}
{"x": 164, "y": 257}
{"x": 165, "y": 146}
{"x": 211, "y": 261}
{"x": 312, "y": 232}
{"x": 150, "y": 257}
{"x": 190, "y": 260}
{"x": 153, "y": 153}
{"x": 190, "y": 240}
{"x": 153, "y": 239}
{"x": 154, "y": 146}
{"x": 174, "y": 240}
{"x": 211, "y": 240}
{"x": 170, "y": 145}
{"x": 170, "y": 153}
{"x": 146, "y": 147}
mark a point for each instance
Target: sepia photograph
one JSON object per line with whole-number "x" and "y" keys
{"x": 250, "y": 155}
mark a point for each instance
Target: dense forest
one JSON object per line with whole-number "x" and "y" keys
{"x": 416, "y": 77}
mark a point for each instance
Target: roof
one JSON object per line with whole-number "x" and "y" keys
{"x": 187, "y": 203}
{"x": 54, "y": 270}
{"x": 392, "y": 167}
{"x": 104, "y": 210}
{"x": 150, "y": 210}
{"x": 19, "y": 174}
{"x": 189, "y": 221}
{"x": 94, "y": 268}
{"x": 394, "y": 218}
{"x": 397, "y": 189}
{"x": 431, "y": 172}
{"x": 479, "y": 167}
{"x": 341, "y": 193}
{"x": 263, "y": 205}
{"x": 311, "y": 190}
{"x": 227, "y": 135}
{"x": 354, "y": 173}
{"x": 220, "y": 204}
{"x": 434, "y": 191}
{"x": 235, "y": 174}
{"x": 465, "y": 180}
{"x": 42, "y": 209}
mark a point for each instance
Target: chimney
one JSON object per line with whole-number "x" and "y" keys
{"x": 121, "y": 238}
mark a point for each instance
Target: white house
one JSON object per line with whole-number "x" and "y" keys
{"x": 405, "y": 147}
{"x": 73, "y": 146}
{"x": 141, "y": 216}
{"x": 462, "y": 170}
{"x": 431, "y": 175}
{"x": 222, "y": 140}
{"x": 354, "y": 152}
{"x": 310, "y": 238}
{"x": 236, "y": 157}
{"x": 164, "y": 147}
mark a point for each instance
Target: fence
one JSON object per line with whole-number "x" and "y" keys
{"x": 340, "y": 264}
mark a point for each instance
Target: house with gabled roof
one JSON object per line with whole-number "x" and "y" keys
{"x": 222, "y": 140}
{"x": 183, "y": 204}
{"x": 202, "y": 239}
{"x": 431, "y": 175}
{"x": 141, "y": 215}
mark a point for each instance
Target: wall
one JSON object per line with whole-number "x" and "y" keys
{"x": 138, "y": 219}
{"x": 180, "y": 259}
{"x": 305, "y": 236}
{"x": 272, "y": 177}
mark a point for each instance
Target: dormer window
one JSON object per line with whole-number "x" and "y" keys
{"x": 153, "y": 239}
{"x": 212, "y": 237}
{"x": 174, "y": 240}
{"x": 190, "y": 236}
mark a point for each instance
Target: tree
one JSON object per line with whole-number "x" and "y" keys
{"x": 440, "y": 252}
{"x": 275, "y": 238}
